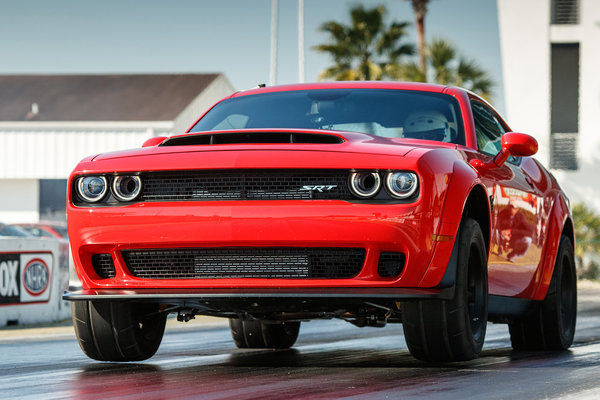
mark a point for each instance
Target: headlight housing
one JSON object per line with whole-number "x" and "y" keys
{"x": 92, "y": 188}
{"x": 401, "y": 184}
{"x": 126, "y": 187}
{"x": 365, "y": 184}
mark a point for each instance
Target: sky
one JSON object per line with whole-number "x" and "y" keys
{"x": 205, "y": 36}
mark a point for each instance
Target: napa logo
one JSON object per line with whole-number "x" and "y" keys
{"x": 36, "y": 277}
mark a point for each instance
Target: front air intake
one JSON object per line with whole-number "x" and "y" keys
{"x": 391, "y": 264}
{"x": 103, "y": 265}
{"x": 252, "y": 138}
{"x": 246, "y": 262}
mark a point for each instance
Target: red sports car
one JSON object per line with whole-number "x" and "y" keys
{"x": 373, "y": 202}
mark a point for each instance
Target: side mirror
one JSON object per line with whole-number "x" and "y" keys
{"x": 513, "y": 144}
{"x": 153, "y": 141}
{"x": 519, "y": 144}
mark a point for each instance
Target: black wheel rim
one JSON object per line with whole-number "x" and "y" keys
{"x": 475, "y": 294}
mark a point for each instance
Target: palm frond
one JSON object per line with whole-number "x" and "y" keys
{"x": 367, "y": 48}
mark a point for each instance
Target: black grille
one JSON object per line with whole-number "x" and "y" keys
{"x": 246, "y": 262}
{"x": 246, "y": 185}
{"x": 103, "y": 265}
{"x": 390, "y": 264}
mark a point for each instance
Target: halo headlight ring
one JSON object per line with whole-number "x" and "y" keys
{"x": 126, "y": 187}
{"x": 364, "y": 184}
{"x": 401, "y": 184}
{"x": 92, "y": 188}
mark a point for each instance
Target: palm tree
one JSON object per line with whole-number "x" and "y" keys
{"x": 420, "y": 10}
{"x": 367, "y": 49}
{"x": 449, "y": 68}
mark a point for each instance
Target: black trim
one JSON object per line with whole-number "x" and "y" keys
{"x": 449, "y": 277}
{"x": 177, "y": 295}
{"x": 504, "y": 307}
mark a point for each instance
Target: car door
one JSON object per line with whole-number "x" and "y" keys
{"x": 515, "y": 249}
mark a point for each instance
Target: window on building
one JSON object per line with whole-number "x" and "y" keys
{"x": 565, "y": 12}
{"x": 53, "y": 199}
{"x": 564, "y": 118}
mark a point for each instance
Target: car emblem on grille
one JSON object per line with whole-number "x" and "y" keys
{"x": 318, "y": 188}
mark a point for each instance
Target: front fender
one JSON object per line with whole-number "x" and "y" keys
{"x": 462, "y": 182}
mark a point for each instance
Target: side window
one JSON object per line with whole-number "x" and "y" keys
{"x": 488, "y": 129}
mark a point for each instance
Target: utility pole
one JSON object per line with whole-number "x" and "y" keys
{"x": 274, "y": 22}
{"x": 301, "y": 41}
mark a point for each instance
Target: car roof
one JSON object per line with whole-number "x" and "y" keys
{"x": 417, "y": 86}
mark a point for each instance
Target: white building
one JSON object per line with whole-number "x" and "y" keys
{"x": 48, "y": 123}
{"x": 551, "y": 65}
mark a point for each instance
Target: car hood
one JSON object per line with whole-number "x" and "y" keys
{"x": 278, "y": 140}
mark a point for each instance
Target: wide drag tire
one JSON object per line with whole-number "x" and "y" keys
{"x": 453, "y": 330}
{"x": 112, "y": 331}
{"x": 552, "y": 324}
{"x": 261, "y": 335}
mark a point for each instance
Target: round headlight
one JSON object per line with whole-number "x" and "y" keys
{"x": 92, "y": 188}
{"x": 126, "y": 188}
{"x": 365, "y": 184}
{"x": 401, "y": 185}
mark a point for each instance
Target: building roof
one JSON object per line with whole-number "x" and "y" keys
{"x": 150, "y": 97}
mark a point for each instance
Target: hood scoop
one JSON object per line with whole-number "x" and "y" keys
{"x": 251, "y": 138}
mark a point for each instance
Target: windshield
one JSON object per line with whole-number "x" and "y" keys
{"x": 380, "y": 112}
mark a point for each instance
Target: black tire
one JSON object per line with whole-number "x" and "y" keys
{"x": 453, "y": 330}
{"x": 260, "y": 335}
{"x": 111, "y": 331}
{"x": 552, "y": 324}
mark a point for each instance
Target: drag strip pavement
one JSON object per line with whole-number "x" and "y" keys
{"x": 332, "y": 359}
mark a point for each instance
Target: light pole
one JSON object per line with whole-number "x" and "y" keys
{"x": 274, "y": 22}
{"x": 301, "y": 41}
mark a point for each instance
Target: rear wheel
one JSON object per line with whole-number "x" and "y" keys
{"x": 112, "y": 331}
{"x": 453, "y": 330}
{"x": 249, "y": 334}
{"x": 552, "y": 325}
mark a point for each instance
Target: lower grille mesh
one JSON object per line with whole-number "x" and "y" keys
{"x": 103, "y": 265}
{"x": 391, "y": 264}
{"x": 269, "y": 262}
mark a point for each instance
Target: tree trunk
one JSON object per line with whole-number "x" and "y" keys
{"x": 421, "y": 42}
{"x": 420, "y": 10}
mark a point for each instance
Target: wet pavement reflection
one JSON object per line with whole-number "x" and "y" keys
{"x": 331, "y": 360}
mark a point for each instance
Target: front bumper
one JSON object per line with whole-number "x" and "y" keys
{"x": 376, "y": 228}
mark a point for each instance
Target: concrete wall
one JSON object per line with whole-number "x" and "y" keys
{"x": 19, "y": 200}
{"x": 32, "y": 281}
{"x": 525, "y": 37}
{"x": 524, "y": 44}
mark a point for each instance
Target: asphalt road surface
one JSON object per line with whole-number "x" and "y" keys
{"x": 332, "y": 359}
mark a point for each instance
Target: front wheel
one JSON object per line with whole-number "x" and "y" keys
{"x": 552, "y": 325}
{"x": 252, "y": 334}
{"x": 453, "y": 330}
{"x": 114, "y": 331}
